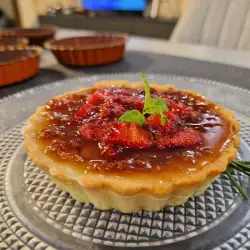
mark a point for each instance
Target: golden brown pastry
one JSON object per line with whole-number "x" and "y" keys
{"x": 80, "y": 140}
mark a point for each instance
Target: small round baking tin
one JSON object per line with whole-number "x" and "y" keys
{"x": 36, "y": 36}
{"x": 88, "y": 50}
{"x": 18, "y": 63}
{"x": 9, "y": 41}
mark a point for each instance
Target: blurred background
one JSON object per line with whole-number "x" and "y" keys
{"x": 152, "y": 18}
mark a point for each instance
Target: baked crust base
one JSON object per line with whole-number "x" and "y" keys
{"x": 126, "y": 194}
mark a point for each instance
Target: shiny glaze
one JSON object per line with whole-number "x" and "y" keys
{"x": 213, "y": 129}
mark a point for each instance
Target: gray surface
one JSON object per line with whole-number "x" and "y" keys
{"x": 139, "y": 61}
{"x": 35, "y": 202}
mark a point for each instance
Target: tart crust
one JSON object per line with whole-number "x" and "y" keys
{"x": 126, "y": 194}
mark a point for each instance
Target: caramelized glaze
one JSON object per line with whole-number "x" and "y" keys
{"x": 61, "y": 139}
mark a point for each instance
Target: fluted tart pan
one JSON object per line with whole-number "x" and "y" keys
{"x": 88, "y": 50}
{"x": 18, "y": 64}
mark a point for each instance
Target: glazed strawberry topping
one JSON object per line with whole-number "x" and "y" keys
{"x": 117, "y": 133}
{"x": 85, "y": 125}
{"x": 182, "y": 138}
{"x": 111, "y": 110}
{"x": 170, "y": 127}
{"x": 99, "y": 119}
{"x": 85, "y": 111}
{"x": 128, "y": 135}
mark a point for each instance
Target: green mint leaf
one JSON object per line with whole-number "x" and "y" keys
{"x": 133, "y": 116}
{"x": 152, "y": 110}
{"x": 157, "y": 107}
{"x": 163, "y": 119}
{"x": 151, "y": 107}
{"x": 147, "y": 100}
{"x": 160, "y": 102}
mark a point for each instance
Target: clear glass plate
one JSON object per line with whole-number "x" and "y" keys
{"x": 34, "y": 213}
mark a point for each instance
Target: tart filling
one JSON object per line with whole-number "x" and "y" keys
{"x": 84, "y": 142}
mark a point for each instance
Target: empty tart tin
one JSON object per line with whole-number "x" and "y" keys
{"x": 89, "y": 50}
{"x": 36, "y": 36}
{"x": 18, "y": 64}
{"x": 7, "y": 41}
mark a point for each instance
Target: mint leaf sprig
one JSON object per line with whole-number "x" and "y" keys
{"x": 241, "y": 166}
{"x": 133, "y": 116}
{"x": 151, "y": 107}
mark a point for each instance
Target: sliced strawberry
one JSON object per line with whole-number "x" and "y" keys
{"x": 91, "y": 131}
{"x": 138, "y": 137}
{"x": 122, "y": 97}
{"x": 154, "y": 121}
{"x": 117, "y": 133}
{"x": 178, "y": 107}
{"x": 85, "y": 110}
{"x": 111, "y": 110}
{"x": 186, "y": 113}
{"x": 96, "y": 97}
{"x": 76, "y": 120}
{"x": 87, "y": 131}
{"x": 130, "y": 135}
{"x": 191, "y": 116}
{"x": 132, "y": 102}
{"x": 82, "y": 113}
{"x": 184, "y": 138}
{"x": 128, "y": 102}
{"x": 173, "y": 120}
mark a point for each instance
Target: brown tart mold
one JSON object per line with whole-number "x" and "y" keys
{"x": 89, "y": 50}
{"x": 36, "y": 36}
{"x": 18, "y": 64}
{"x": 9, "y": 41}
